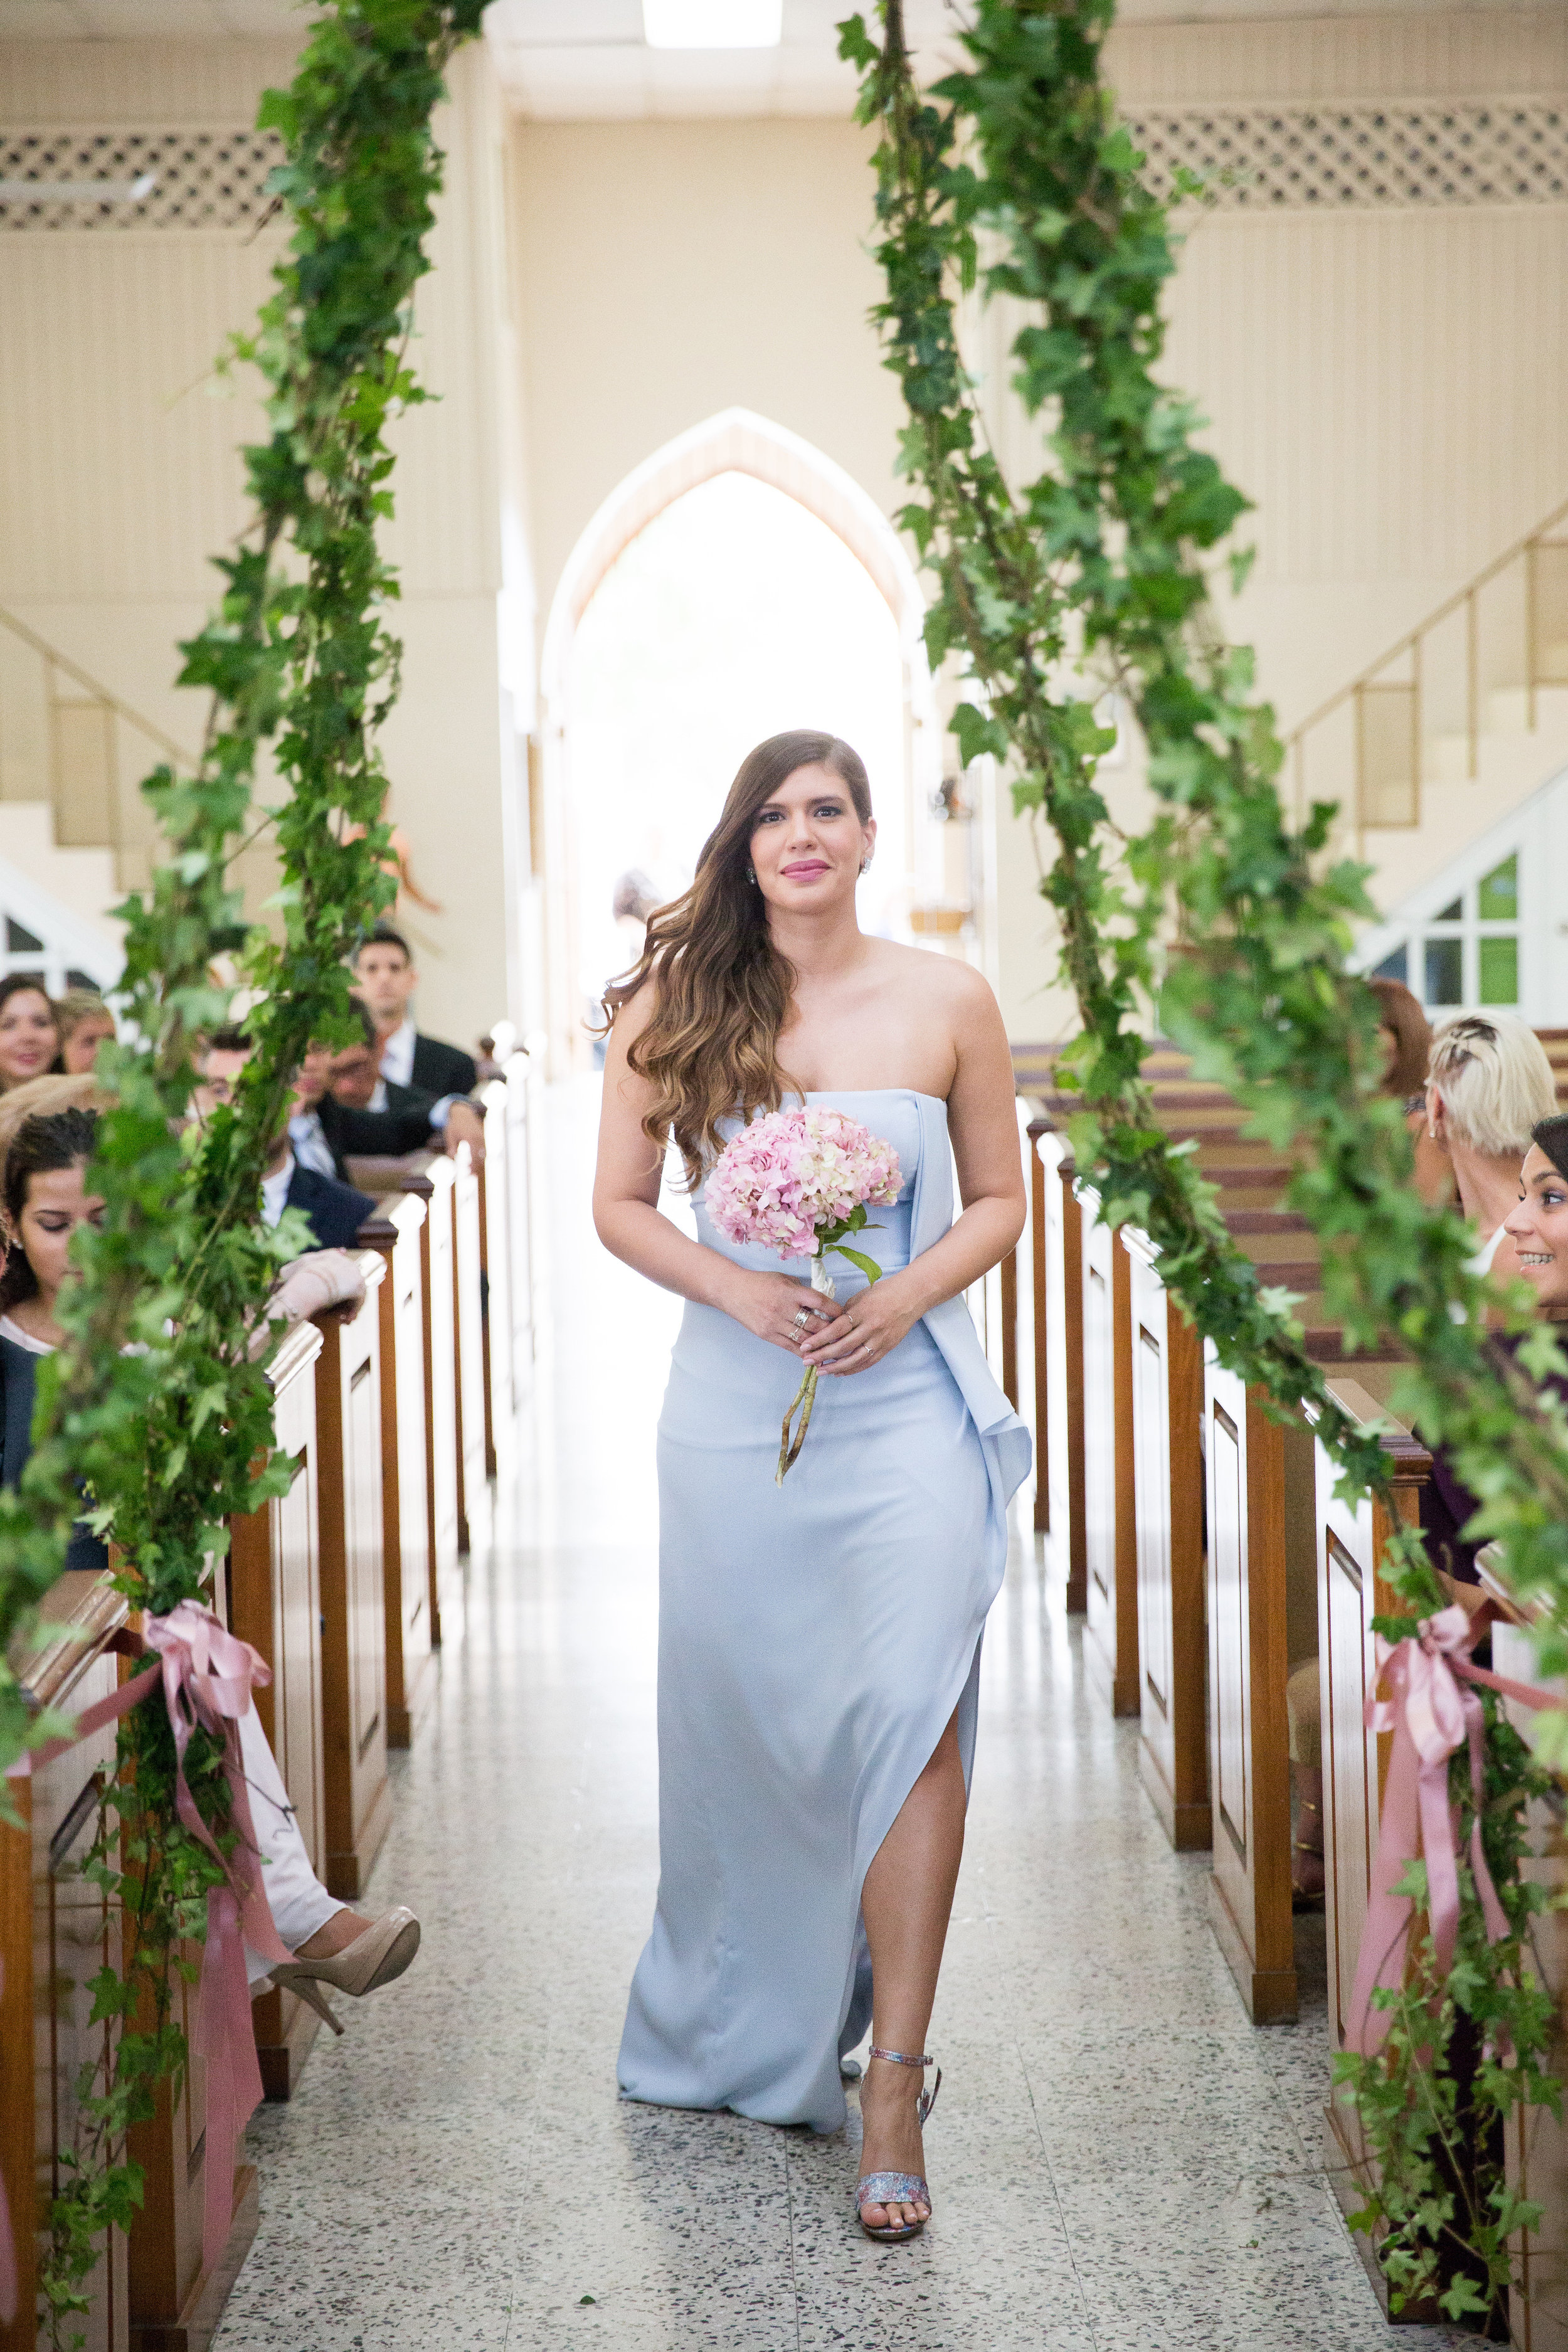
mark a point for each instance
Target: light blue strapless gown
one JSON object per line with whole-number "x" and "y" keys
{"x": 814, "y": 1641}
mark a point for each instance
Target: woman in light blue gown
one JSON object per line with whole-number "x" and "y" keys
{"x": 819, "y": 1641}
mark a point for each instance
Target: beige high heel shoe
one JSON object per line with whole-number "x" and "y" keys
{"x": 371, "y": 1960}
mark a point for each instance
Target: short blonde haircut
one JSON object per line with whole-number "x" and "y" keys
{"x": 1496, "y": 1082}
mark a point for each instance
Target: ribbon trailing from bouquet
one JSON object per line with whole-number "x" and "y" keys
{"x": 1430, "y": 1710}
{"x": 208, "y": 1675}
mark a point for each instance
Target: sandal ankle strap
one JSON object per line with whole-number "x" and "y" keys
{"x": 898, "y": 2058}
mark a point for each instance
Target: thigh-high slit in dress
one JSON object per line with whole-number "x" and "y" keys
{"x": 814, "y": 1640}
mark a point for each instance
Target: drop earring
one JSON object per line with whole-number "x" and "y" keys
{"x": 751, "y": 874}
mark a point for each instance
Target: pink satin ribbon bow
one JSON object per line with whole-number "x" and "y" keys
{"x": 207, "y": 1676}
{"x": 1429, "y": 1711}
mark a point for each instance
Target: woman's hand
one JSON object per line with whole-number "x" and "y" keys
{"x": 773, "y": 1307}
{"x": 862, "y": 1333}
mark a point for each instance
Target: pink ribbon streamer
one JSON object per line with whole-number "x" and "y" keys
{"x": 207, "y": 1676}
{"x": 1429, "y": 1712}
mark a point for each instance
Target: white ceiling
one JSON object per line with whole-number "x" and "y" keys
{"x": 586, "y": 59}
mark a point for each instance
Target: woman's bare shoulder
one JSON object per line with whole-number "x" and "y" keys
{"x": 936, "y": 980}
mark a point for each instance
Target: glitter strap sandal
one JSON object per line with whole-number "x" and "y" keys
{"x": 897, "y": 2187}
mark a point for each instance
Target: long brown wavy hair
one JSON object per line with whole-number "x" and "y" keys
{"x": 721, "y": 989}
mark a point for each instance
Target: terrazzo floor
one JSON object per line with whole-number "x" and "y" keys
{"x": 1120, "y": 2163}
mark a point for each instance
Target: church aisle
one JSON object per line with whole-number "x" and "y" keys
{"x": 1119, "y": 2162}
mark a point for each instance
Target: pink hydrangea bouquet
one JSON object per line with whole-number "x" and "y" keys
{"x": 800, "y": 1181}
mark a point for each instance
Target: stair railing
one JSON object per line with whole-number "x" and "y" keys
{"x": 1505, "y": 632}
{"x": 60, "y": 740}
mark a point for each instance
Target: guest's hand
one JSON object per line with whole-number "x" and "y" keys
{"x": 464, "y": 1125}
{"x": 771, "y": 1305}
{"x": 864, "y": 1331}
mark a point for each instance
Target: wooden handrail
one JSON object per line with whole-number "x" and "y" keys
{"x": 1408, "y": 644}
{"x": 96, "y": 689}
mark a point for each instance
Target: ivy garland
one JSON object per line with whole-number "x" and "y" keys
{"x": 155, "y": 1405}
{"x": 1232, "y": 929}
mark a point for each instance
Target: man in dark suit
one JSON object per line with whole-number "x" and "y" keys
{"x": 357, "y": 1114}
{"x": 336, "y": 1211}
{"x": 387, "y": 979}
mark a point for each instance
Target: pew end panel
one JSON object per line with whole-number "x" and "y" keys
{"x": 468, "y": 1326}
{"x": 437, "y": 1284}
{"x": 1536, "y": 2144}
{"x": 1063, "y": 1231}
{"x": 358, "y": 1794}
{"x": 1351, "y": 1535}
{"x": 274, "y": 1604}
{"x": 1109, "y": 1518}
{"x": 405, "y": 1504}
{"x": 1039, "y": 1126}
{"x": 57, "y": 1930}
{"x": 495, "y": 1279}
{"x": 1249, "y": 1463}
{"x": 1168, "y": 1507}
{"x": 520, "y": 1080}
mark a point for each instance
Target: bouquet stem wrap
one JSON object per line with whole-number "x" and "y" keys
{"x": 806, "y": 1395}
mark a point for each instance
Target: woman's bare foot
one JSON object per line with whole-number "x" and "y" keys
{"x": 344, "y": 1928}
{"x": 889, "y": 2103}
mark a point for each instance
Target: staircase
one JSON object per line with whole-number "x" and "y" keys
{"x": 1456, "y": 724}
{"x": 70, "y": 745}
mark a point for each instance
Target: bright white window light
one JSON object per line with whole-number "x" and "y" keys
{"x": 712, "y": 24}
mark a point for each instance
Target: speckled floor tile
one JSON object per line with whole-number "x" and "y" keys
{"x": 1119, "y": 2162}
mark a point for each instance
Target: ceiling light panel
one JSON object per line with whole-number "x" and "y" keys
{"x": 712, "y": 24}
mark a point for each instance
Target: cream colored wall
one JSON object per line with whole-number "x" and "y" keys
{"x": 668, "y": 270}
{"x": 120, "y": 474}
{"x": 1385, "y": 383}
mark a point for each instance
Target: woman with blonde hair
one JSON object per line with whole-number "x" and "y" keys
{"x": 1488, "y": 1086}
{"x": 819, "y": 1640}
{"x": 84, "y": 1023}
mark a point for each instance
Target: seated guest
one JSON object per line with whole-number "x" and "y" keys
{"x": 335, "y": 1210}
{"x": 1406, "y": 1042}
{"x": 1537, "y": 1226}
{"x": 1489, "y": 1085}
{"x": 45, "y": 1199}
{"x": 359, "y": 1089}
{"x": 30, "y": 1040}
{"x": 387, "y": 979}
{"x": 84, "y": 1023}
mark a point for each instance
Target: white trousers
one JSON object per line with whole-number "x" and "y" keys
{"x": 299, "y": 1902}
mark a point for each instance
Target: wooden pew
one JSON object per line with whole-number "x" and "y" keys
{"x": 274, "y": 1602}
{"x": 495, "y": 1263}
{"x": 1536, "y": 2143}
{"x": 468, "y": 1322}
{"x": 1350, "y": 1540}
{"x": 56, "y": 1932}
{"x": 1167, "y": 1382}
{"x": 519, "y": 1082}
{"x": 437, "y": 1284}
{"x": 1111, "y": 1540}
{"x": 1062, "y": 1228}
{"x": 1038, "y": 1125}
{"x": 1261, "y": 1565}
{"x": 396, "y": 1232}
{"x": 358, "y": 1797}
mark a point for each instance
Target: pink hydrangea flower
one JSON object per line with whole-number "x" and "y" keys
{"x": 793, "y": 1175}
